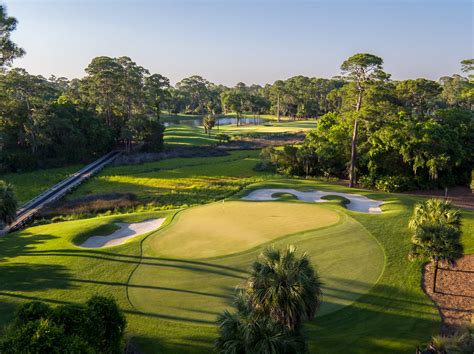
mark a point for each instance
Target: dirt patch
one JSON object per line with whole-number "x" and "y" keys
{"x": 454, "y": 296}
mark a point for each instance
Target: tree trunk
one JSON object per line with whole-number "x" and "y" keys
{"x": 435, "y": 274}
{"x": 352, "y": 176}
{"x": 278, "y": 108}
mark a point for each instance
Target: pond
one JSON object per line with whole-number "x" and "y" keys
{"x": 220, "y": 121}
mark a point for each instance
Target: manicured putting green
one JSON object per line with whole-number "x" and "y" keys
{"x": 177, "y": 280}
{"x": 229, "y": 227}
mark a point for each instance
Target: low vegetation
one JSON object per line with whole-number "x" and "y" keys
{"x": 8, "y": 203}
{"x": 94, "y": 327}
{"x": 30, "y": 184}
{"x": 178, "y": 182}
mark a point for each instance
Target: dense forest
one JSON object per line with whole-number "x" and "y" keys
{"x": 388, "y": 134}
{"x": 395, "y": 135}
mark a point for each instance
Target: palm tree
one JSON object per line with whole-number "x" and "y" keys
{"x": 435, "y": 210}
{"x": 437, "y": 229}
{"x": 8, "y": 203}
{"x": 208, "y": 122}
{"x": 437, "y": 242}
{"x": 284, "y": 287}
{"x": 245, "y": 331}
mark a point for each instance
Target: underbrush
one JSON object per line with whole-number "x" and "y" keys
{"x": 91, "y": 204}
{"x": 163, "y": 185}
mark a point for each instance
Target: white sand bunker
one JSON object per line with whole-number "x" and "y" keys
{"x": 357, "y": 202}
{"x": 121, "y": 235}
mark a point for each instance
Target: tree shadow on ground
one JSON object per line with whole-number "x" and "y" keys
{"x": 375, "y": 323}
{"x": 18, "y": 243}
{"x": 34, "y": 277}
{"x": 198, "y": 266}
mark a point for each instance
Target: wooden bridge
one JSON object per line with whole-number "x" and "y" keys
{"x": 27, "y": 211}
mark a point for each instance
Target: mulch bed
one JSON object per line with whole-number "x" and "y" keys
{"x": 454, "y": 296}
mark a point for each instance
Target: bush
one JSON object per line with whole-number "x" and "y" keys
{"x": 105, "y": 324}
{"x": 42, "y": 336}
{"x": 72, "y": 318}
{"x": 32, "y": 311}
{"x": 223, "y": 138}
{"x": 366, "y": 181}
{"x": 394, "y": 184}
{"x": 96, "y": 327}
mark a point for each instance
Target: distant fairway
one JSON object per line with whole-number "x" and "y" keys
{"x": 178, "y": 280}
{"x": 223, "y": 228}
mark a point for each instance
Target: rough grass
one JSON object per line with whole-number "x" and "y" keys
{"x": 178, "y": 182}
{"x": 29, "y": 184}
{"x": 336, "y": 199}
{"x": 286, "y": 197}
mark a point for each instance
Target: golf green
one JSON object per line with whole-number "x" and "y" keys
{"x": 190, "y": 269}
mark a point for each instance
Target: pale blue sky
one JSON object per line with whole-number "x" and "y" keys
{"x": 250, "y": 41}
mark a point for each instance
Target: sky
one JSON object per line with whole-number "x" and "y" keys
{"x": 230, "y": 41}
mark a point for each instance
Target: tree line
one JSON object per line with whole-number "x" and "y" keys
{"x": 54, "y": 121}
{"x": 391, "y": 135}
{"x": 383, "y": 133}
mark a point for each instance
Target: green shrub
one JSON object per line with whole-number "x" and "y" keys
{"x": 42, "y": 336}
{"x": 366, "y": 181}
{"x": 223, "y": 138}
{"x": 394, "y": 184}
{"x": 105, "y": 324}
{"x": 72, "y": 318}
{"x": 32, "y": 311}
{"x": 96, "y": 327}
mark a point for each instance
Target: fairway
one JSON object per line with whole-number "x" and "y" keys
{"x": 223, "y": 228}
{"x": 177, "y": 279}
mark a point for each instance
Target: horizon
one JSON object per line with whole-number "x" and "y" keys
{"x": 262, "y": 42}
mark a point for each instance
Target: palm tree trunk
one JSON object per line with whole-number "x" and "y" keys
{"x": 435, "y": 274}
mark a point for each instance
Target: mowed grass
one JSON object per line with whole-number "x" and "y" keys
{"x": 29, "y": 184}
{"x": 223, "y": 228}
{"x": 179, "y": 182}
{"x": 195, "y": 136}
{"x": 193, "y": 280}
{"x": 42, "y": 263}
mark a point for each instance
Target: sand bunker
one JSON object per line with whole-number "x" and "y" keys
{"x": 357, "y": 202}
{"x": 125, "y": 232}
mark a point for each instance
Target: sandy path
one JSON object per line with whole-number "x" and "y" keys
{"x": 357, "y": 202}
{"x": 125, "y": 232}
